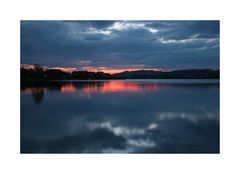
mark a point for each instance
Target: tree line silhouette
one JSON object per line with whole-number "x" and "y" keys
{"x": 38, "y": 73}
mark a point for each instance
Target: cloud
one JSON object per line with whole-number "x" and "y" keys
{"x": 126, "y": 26}
{"x": 143, "y": 143}
{"x": 130, "y": 25}
{"x": 192, "y": 39}
{"x": 152, "y": 30}
{"x": 108, "y": 43}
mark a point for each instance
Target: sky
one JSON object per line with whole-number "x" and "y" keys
{"x": 116, "y": 46}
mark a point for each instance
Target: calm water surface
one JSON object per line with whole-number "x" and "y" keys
{"x": 121, "y": 116}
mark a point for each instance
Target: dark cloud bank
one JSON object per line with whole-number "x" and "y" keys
{"x": 121, "y": 44}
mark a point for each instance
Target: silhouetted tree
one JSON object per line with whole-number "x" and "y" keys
{"x": 56, "y": 74}
{"x": 38, "y": 68}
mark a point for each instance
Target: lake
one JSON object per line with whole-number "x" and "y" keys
{"x": 121, "y": 116}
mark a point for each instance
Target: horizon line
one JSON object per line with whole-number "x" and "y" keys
{"x": 93, "y": 69}
{"x": 104, "y": 70}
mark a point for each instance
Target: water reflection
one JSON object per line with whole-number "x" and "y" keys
{"x": 37, "y": 93}
{"x": 103, "y": 87}
{"x": 88, "y": 87}
{"x": 120, "y": 117}
{"x": 91, "y": 87}
{"x": 68, "y": 88}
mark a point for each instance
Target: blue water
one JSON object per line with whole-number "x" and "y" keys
{"x": 121, "y": 116}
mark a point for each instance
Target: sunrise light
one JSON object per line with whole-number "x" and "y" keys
{"x": 92, "y": 69}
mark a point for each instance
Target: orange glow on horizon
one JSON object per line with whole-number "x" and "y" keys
{"x": 93, "y": 69}
{"x": 105, "y": 70}
{"x": 114, "y": 71}
{"x": 69, "y": 70}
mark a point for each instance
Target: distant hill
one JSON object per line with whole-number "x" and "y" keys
{"x": 178, "y": 74}
{"x": 38, "y": 74}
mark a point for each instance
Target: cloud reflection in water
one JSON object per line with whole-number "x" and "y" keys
{"x": 121, "y": 117}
